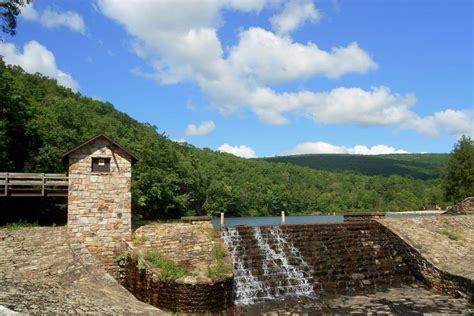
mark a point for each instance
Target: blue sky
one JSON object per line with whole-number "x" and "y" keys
{"x": 266, "y": 77}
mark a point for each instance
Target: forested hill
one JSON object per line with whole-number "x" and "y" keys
{"x": 40, "y": 121}
{"x": 419, "y": 166}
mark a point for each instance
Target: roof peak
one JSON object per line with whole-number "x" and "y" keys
{"x": 134, "y": 158}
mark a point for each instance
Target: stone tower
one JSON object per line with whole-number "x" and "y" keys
{"x": 99, "y": 196}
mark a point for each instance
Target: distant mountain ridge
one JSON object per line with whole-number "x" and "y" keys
{"x": 418, "y": 166}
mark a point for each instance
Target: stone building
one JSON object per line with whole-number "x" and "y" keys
{"x": 99, "y": 197}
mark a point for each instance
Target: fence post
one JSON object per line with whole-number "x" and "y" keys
{"x": 222, "y": 219}
{"x": 6, "y": 184}
{"x": 42, "y": 184}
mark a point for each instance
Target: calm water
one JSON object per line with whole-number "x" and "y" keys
{"x": 312, "y": 219}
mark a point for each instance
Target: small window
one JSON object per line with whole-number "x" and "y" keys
{"x": 100, "y": 164}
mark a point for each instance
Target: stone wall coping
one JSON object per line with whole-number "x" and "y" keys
{"x": 328, "y": 225}
{"x": 196, "y": 218}
{"x": 355, "y": 214}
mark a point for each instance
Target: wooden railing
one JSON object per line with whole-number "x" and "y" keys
{"x": 33, "y": 184}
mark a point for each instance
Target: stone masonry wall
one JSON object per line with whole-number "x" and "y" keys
{"x": 442, "y": 264}
{"x": 436, "y": 279}
{"x": 189, "y": 245}
{"x": 465, "y": 207}
{"x": 198, "y": 297}
{"x": 99, "y": 204}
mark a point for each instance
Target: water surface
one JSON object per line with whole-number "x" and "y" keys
{"x": 305, "y": 219}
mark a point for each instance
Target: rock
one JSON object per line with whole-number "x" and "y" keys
{"x": 357, "y": 276}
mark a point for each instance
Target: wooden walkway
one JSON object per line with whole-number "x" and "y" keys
{"x": 33, "y": 184}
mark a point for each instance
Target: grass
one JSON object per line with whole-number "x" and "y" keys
{"x": 218, "y": 251}
{"x": 139, "y": 240}
{"x": 169, "y": 270}
{"x": 451, "y": 235}
{"x": 211, "y": 231}
{"x": 20, "y": 225}
{"x": 143, "y": 222}
{"x": 219, "y": 269}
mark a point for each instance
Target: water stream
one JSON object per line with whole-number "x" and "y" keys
{"x": 266, "y": 265}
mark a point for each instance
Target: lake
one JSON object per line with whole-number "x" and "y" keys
{"x": 304, "y": 219}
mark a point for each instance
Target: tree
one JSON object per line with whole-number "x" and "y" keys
{"x": 9, "y": 10}
{"x": 459, "y": 177}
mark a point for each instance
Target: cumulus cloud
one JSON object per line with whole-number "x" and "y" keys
{"x": 52, "y": 19}
{"x": 185, "y": 47}
{"x": 268, "y": 58}
{"x": 37, "y": 58}
{"x": 295, "y": 13}
{"x": 241, "y": 151}
{"x": 202, "y": 130}
{"x": 325, "y": 148}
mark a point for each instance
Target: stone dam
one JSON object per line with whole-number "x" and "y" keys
{"x": 275, "y": 261}
{"x": 393, "y": 266}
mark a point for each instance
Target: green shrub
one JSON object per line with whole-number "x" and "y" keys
{"x": 219, "y": 269}
{"x": 169, "y": 270}
{"x": 218, "y": 251}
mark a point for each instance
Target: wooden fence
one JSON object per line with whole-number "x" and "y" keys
{"x": 33, "y": 184}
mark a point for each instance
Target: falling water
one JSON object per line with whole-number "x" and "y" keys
{"x": 266, "y": 265}
{"x": 277, "y": 263}
{"x": 247, "y": 287}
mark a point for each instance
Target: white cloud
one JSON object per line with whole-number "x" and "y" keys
{"x": 454, "y": 122}
{"x": 325, "y": 148}
{"x": 202, "y": 130}
{"x": 185, "y": 47}
{"x": 37, "y": 58}
{"x": 295, "y": 13}
{"x": 268, "y": 58}
{"x": 180, "y": 141}
{"x": 241, "y": 151}
{"x": 52, "y": 19}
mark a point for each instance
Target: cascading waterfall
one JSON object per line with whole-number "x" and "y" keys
{"x": 247, "y": 287}
{"x": 277, "y": 263}
{"x": 266, "y": 265}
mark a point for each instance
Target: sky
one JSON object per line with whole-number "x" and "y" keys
{"x": 262, "y": 78}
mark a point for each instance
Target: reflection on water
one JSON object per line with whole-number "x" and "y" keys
{"x": 310, "y": 219}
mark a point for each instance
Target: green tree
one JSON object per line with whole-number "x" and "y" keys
{"x": 459, "y": 178}
{"x": 9, "y": 10}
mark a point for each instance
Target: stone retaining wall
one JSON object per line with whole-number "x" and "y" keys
{"x": 465, "y": 207}
{"x": 435, "y": 278}
{"x": 176, "y": 297}
{"x": 189, "y": 245}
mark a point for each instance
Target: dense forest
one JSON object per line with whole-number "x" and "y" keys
{"x": 40, "y": 121}
{"x": 418, "y": 166}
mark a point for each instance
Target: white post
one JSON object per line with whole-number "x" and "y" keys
{"x": 283, "y": 217}
{"x": 222, "y": 219}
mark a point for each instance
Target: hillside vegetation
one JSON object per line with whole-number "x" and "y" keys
{"x": 418, "y": 166}
{"x": 41, "y": 120}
